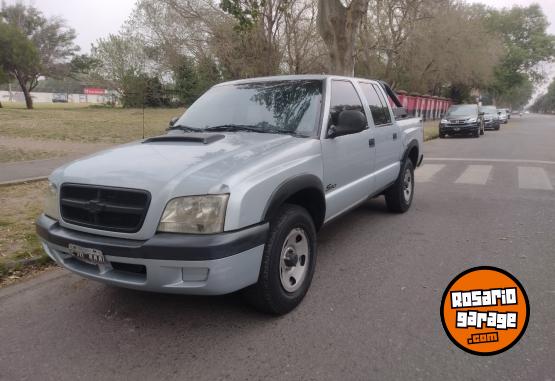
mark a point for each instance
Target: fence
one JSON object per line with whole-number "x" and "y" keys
{"x": 38, "y": 97}
{"x": 425, "y": 106}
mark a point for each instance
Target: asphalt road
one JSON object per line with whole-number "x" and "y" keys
{"x": 372, "y": 311}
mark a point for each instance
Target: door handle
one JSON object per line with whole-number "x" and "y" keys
{"x": 394, "y": 136}
{"x": 372, "y": 142}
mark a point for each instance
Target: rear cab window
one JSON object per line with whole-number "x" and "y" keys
{"x": 377, "y": 104}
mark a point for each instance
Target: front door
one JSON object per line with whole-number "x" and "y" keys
{"x": 348, "y": 159}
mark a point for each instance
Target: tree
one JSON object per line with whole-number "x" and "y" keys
{"x": 52, "y": 40}
{"x": 546, "y": 102}
{"x": 339, "y": 25}
{"x": 523, "y": 31}
{"x": 120, "y": 56}
{"x": 18, "y": 58}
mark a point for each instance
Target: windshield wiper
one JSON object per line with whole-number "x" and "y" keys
{"x": 184, "y": 128}
{"x": 234, "y": 127}
{"x": 250, "y": 128}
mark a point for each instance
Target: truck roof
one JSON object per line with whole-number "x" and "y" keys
{"x": 290, "y": 77}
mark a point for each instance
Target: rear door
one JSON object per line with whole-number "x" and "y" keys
{"x": 387, "y": 134}
{"x": 348, "y": 159}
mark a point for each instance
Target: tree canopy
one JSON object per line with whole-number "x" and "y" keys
{"x": 43, "y": 46}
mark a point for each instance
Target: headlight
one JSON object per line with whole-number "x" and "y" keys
{"x": 472, "y": 120}
{"x": 51, "y": 205}
{"x": 195, "y": 214}
{"x": 444, "y": 121}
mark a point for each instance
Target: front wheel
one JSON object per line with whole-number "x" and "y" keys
{"x": 399, "y": 196}
{"x": 288, "y": 262}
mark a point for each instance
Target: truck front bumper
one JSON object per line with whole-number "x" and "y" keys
{"x": 212, "y": 264}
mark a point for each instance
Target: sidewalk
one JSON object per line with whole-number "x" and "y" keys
{"x": 31, "y": 170}
{"x": 19, "y": 171}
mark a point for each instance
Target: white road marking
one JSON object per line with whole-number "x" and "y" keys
{"x": 425, "y": 172}
{"x": 475, "y": 174}
{"x": 533, "y": 178}
{"x": 488, "y": 160}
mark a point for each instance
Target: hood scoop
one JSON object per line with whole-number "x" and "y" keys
{"x": 194, "y": 137}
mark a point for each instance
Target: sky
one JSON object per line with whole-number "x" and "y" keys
{"x": 91, "y": 19}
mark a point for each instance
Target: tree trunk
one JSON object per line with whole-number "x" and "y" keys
{"x": 28, "y": 98}
{"x": 25, "y": 90}
{"x": 338, "y": 27}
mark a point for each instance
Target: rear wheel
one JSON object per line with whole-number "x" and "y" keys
{"x": 288, "y": 262}
{"x": 399, "y": 196}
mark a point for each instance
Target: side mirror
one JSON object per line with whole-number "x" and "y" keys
{"x": 400, "y": 112}
{"x": 173, "y": 120}
{"x": 348, "y": 122}
{"x": 498, "y": 112}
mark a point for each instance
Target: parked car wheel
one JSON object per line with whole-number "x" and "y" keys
{"x": 441, "y": 135}
{"x": 399, "y": 196}
{"x": 288, "y": 262}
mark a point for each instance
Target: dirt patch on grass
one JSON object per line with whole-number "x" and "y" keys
{"x": 20, "y": 205}
{"x": 11, "y": 154}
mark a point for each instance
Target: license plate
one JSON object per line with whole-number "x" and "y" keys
{"x": 87, "y": 254}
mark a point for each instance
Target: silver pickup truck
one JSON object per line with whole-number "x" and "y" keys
{"x": 233, "y": 195}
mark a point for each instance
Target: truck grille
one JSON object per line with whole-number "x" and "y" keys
{"x": 104, "y": 208}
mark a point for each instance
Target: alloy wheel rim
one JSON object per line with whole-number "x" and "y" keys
{"x": 294, "y": 260}
{"x": 407, "y": 185}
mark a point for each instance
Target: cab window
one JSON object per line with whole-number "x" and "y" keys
{"x": 343, "y": 97}
{"x": 379, "y": 110}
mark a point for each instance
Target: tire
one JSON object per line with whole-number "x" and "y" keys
{"x": 269, "y": 294}
{"x": 477, "y": 133}
{"x": 397, "y": 198}
{"x": 482, "y": 130}
{"x": 441, "y": 136}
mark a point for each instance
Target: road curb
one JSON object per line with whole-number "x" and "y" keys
{"x": 22, "y": 181}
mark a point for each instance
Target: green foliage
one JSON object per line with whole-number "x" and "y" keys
{"x": 527, "y": 43}
{"x": 142, "y": 90}
{"x": 192, "y": 79}
{"x": 17, "y": 52}
{"x": 246, "y": 12}
{"x": 546, "y": 102}
{"x": 83, "y": 64}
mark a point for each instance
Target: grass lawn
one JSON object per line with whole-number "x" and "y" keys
{"x": 20, "y": 205}
{"x": 431, "y": 130}
{"x": 69, "y": 122}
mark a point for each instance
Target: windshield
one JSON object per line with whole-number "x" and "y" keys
{"x": 489, "y": 109}
{"x": 289, "y": 106}
{"x": 462, "y": 110}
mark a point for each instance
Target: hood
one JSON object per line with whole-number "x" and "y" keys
{"x": 460, "y": 117}
{"x": 157, "y": 164}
